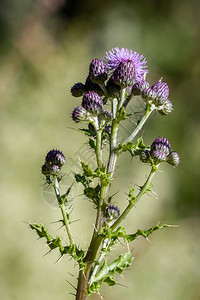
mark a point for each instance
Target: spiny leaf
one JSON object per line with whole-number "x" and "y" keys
{"x": 87, "y": 131}
{"x": 107, "y": 272}
{"x": 87, "y": 171}
{"x": 134, "y": 149}
{"x": 145, "y": 233}
{"x": 82, "y": 179}
{"x": 93, "y": 193}
{"x": 56, "y": 243}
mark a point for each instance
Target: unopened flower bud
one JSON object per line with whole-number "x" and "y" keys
{"x": 161, "y": 89}
{"x": 98, "y": 71}
{"x": 158, "y": 156}
{"x": 173, "y": 159}
{"x": 162, "y": 144}
{"x": 106, "y": 115}
{"x": 166, "y": 108}
{"x": 124, "y": 74}
{"x": 55, "y": 157}
{"x": 92, "y": 103}
{"x": 78, "y": 89}
{"x": 139, "y": 87}
{"x": 148, "y": 94}
{"x": 145, "y": 156}
{"x": 112, "y": 212}
{"x": 79, "y": 114}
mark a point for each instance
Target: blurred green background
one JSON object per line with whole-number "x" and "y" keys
{"x": 45, "y": 47}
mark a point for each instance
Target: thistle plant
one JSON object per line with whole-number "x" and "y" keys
{"x": 111, "y": 85}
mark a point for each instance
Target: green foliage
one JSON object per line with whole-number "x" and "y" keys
{"x": 92, "y": 144}
{"x": 145, "y": 233}
{"x": 107, "y": 272}
{"x": 121, "y": 233}
{"x": 100, "y": 173}
{"x": 134, "y": 149}
{"x": 56, "y": 243}
{"x": 93, "y": 194}
{"x": 87, "y": 132}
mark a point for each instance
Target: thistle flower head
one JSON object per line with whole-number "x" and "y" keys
{"x": 161, "y": 89}
{"x": 124, "y": 74}
{"x": 55, "y": 157}
{"x": 114, "y": 57}
{"x": 98, "y": 71}
{"x": 92, "y": 103}
{"x": 139, "y": 87}
{"x": 78, "y": 89}
{"x": 48, "y": 169}
{"x": 166, "y": 108}
{"x": 148, "y": 94}
{"x": 173, "y": 159}
{"x": 106, "y": 115}
{"x": 145, "y": 156}
{"x": 161, "y": 144}
{"x": 158, "y": 156}
{"x": 112, "y": 212}
{"x": 79, "y": 114}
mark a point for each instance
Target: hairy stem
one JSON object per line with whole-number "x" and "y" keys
{"x": 63, "y": 210}
{"x": 99, "y": 148}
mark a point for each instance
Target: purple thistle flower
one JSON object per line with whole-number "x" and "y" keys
{"x": 112, "y": 212}
{"x": 55, "y": 157}
{"x": 79, "y": 114}
{"x": 173, "y": 159}
{"x": 114, "y": 57}
{"x": 139, "y": 87}
{"x": 106, "y": 115}
{"x": 158, "y": 156}
{"x": 161, "y": 89}
{"x": 148, "y": 94}
{"x": 162, "y": 144}
{"x": 124, "y": 74}
{"x": 145, "y": 156}
{"x": 166, "y": 108}
{"x": 48, "y": 169}
{"x": 98, "y": 71}
{"x": 78, "y": 89}
{"x": 92, "y": 103}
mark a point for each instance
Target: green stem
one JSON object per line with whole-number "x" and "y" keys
{"x": 101, "y": 256}
{"x": 150, "y": 108}
{"x": 96, "y": 240}
{"x": 63, "y": 209}
{"x": 113, "y": 138}
{"x": 136, "y": 199}
{"x": 99, "y": 148}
